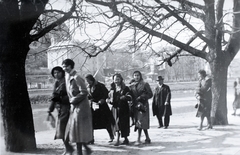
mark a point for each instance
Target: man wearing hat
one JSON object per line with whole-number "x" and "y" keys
{"x": 161, "y": 105}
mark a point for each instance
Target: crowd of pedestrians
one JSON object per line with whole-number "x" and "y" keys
{"x": 85, "y": 107}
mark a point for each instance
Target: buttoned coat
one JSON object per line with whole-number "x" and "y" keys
{"x": 80, "y": 121}
{"x": 143, "y": 91}
{"x": 161, "y": 96}
{"x": 63, "y": 107}
{"x": 205, "y": 94}
{"x": 102, "y": 117}
{"x": 120, "y": 109}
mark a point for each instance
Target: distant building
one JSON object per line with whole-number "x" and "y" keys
{"x": 60, "y": 51}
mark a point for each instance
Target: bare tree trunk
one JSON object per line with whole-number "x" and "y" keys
{"x": 15, "y": 105}
{"x": 219, "y": 89}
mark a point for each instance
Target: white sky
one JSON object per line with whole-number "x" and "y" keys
{"x": 95, "y": 32}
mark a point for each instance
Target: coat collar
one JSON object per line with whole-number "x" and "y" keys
{"x": 71, "y": 75}
{"x": 137, "y": 86}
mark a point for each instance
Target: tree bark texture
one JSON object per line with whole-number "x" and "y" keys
{"x": 219, "y": 90}
{"x": 16, "y": 109}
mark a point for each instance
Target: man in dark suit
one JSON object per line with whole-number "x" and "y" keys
{"x": 161, "y": 105}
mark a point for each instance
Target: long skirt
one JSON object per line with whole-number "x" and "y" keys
{"x": 236, "y": 102}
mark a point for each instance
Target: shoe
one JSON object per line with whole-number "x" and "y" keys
{"x": 233, "y": 114}
{"x": 147, "y": 141}
{"x": 165, "y": 127}
{"x": 91, "y": 142}
{"x": 69, "y": 151}
{"x": 89, "y": 151}
{"x": 125, "y": 142}
{"x": 199, "y": 128}
{"x": 209, "y": 127}
{"x": 116, "y": 144}
{"x": 160, "y": 126}
{"x": 137, "y": 143}
{"x": 111, "y": 140}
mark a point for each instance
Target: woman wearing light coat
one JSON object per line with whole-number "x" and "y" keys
{"x": 80, "y": 122}
{"x": 141, "y": 92}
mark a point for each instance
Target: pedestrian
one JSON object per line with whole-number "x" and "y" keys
{"x": 236, "y": 102}
{"x": 204, "y": 96}
{"x": 80, "y": 122}
{"x": 120, "y": 95}
{"x": 141, "y": 92}
{"x": 131, "y": 106}
{"x": 60, "y": 101}
{"x": 101, "y": 114}
{"x": 161, "y": 105}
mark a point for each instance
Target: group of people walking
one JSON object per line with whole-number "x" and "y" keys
{"x": 84, "y": 108}
{"x": 70, "y": 98}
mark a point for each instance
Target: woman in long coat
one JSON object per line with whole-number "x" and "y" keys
{"x": 80, "y": 121}
{"x": 236, "y": 102}
{"x": 60, "y": 101}
{"x": 141, "y": 92}
{"x": 101, "y": 114}
{"x": 204, "y": 96}
{"x": 120, "y": 95}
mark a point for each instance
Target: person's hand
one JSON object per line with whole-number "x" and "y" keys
{"x": 123, "y": 97}
{"x": 108, "y": 100}
{"x": 166, "y": 103}
{"x": 101, "y": 101}
{"x": 139, "y": 98}
{"x": 196, "y": 106}
{"x": 72, "y": 100}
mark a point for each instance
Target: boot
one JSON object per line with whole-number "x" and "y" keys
{"x": 79, "y": 149}
{"x": 68, "y": 148}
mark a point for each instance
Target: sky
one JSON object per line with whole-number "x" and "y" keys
{"x": 95, "y": 31}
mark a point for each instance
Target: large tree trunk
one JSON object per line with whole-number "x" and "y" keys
{"x": 15, "y": 105}
{"x": 219, "y": 89}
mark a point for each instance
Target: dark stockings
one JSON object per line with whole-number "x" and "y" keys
{"x": 79, "y": 149}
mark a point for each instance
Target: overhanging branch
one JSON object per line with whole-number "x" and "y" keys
{"x": 54, "y": 24}
{"x": 201, "y": 54}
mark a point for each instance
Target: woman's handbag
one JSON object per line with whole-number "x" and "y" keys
{"x": 141, "y": 107}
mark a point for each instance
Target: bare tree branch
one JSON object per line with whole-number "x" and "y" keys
{"x": 184, "y": 22}
{"x": 168, "y": 60}
{"x": 61, "y": 20}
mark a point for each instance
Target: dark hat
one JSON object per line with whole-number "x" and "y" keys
{"x": 159, "y": 78}
{"x": 58, "y": 68}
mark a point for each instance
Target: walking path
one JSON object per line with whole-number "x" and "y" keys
{"x": 181, "y": 138}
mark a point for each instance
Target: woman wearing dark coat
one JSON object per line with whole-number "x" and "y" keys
{"x": 60, "y": 101}
{"x": 120, "y": 95}
{"x": 204, "y": 96}
{"x": 161, "y": 105}
{"x": 101, "y": 114}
